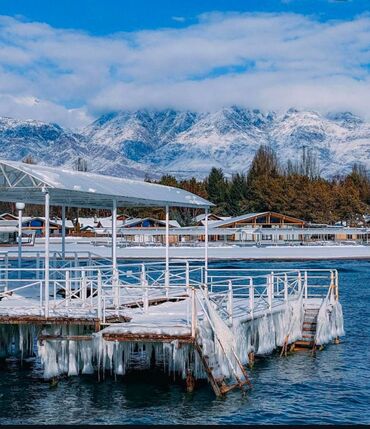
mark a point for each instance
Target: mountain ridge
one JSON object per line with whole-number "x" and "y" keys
{"x": 187, "y": 143}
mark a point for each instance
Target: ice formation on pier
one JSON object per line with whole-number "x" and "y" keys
{"x": 17, "y": 340}
{"x": 224, "y": 343}
{"x": 329, "y": 322}
{"x": 264, "y": 334}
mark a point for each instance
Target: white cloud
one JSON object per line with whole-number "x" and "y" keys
{"x": 269, "y": 61}
{"x": 179, "y": 18}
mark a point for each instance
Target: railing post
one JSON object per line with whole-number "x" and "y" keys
{"x": 55, "y": 293}
{"x": 193, "y": 312}
{"x": 336, "y": 280}
{"x": 333, "y": 285}
{"x": 83, "y": 291}
{"x": 99, "y": 296}
{"x": 251, "y": 296}
{"x": 167, "y": 249}
{"x": 144, "y": 285}
{"x": 187, "y": 278}
{"x": 68, "y": 288}
{"x": 37, "y": 265}
{"x": 299, "y": 282}
{"x": 230, "y": 301}
{"x": 272, "y": 284}
{"x": 41, "y": 297}
{"x": 269, "y": 291}
{"x": 305, "y": 285}
{"x": 115, "y": 285}
{"x": 286, "y": 294}
{"x": 6, "y": 274}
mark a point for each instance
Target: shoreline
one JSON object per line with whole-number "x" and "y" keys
{"x": 253, "y": 253}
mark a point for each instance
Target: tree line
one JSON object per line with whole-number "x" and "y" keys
{"x": 296, "y": 189}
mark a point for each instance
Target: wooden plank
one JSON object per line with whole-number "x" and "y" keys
{"x": 57, "y": 320}
{"x": 65, "y": 337}
{"x": 41, "y": 320}
{"x": 147, "y": 337}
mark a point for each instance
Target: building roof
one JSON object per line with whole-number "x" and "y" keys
{"x": 132, "y": 222}
{"x": 25, "y": 182}
{"x": 245, "y": 217}
{"x": 55, "y": 222}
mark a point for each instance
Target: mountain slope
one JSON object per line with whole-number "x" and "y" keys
{"x": 188, "y": 143}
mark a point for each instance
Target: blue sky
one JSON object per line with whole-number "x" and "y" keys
{"x": 70, "y": 61}
{"x": 109, "y": 16}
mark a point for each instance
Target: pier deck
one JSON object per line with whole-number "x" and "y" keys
{"x": 195, "y": 323}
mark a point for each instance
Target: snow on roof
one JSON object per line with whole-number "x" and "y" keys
{"x": 52, "y": 221}
{"x": 216, "y": 224}
{"x": 135, "y": 221}
{"x": 24, "y": 182}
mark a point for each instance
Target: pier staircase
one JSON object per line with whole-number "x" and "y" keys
{"x": 308, "y": 329}
{"x": 221, "y": 386}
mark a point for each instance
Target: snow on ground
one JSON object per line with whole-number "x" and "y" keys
{"x": 294, "y": 252}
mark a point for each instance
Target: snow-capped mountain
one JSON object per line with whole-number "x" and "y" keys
{"x": 50, "y": 144}
{"x": 187, "y": 143}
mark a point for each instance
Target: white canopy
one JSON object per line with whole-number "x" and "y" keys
{"x": 28, "y": 182}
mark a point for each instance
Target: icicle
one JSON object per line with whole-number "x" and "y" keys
{"x": 72, "y": 358}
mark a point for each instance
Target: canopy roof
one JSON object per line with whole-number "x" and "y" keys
{"x": 27, "y": 183}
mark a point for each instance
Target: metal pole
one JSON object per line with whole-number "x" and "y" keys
{"x": 99, "y": 296}
{"x": 269, "y": 291}
{"x": 206, "y": 248}
{"x": 47, "y": 237}
{"x": 193, "y": 313}
{"x": 230, "y": 302}
{"x": 305, "y": 285}
{"x": 19, "y": 239}
{"x": 20, "y": 207}
{"x": 114, "y": 253}
{"x": 114, "y": 234}
{"x": 285, "y": 287}
{"x": 167, "y": 272}
{"x": 63, "y": 231}
{"x": 251, "y": 296}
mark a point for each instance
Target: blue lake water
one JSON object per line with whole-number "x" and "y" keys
{"x": 332, "y": 386}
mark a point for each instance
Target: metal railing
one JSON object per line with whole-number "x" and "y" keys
{"x": 95, "y": 289}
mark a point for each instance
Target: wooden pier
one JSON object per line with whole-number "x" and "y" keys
{"x": 213, "y": 328}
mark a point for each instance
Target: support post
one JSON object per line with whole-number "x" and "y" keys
{"x": 67, "y": 289}
{"x": 187, "y": 278}
{"x": 193, "y": 312}
{"x": 144, "y": 285}
{"x": 167, "y": 270}
{"x": 63, "y": 232}
{"x": 100, "y": 312}
{"x": 269, "y": 291}
{"x": 299, "y": 282}
{"x": 83, "y": 290}
{"x": 286, "y": 287}
{"x": 251, "y": 296}
{"x": 6, "y": 274}
{"x": 116, "y": 291}
{"x": 305, "y": 285}
{"x": 230, "y": 302}
{"x": 47, "y": 239}
{"x": 206, "y": 248}
{"x": 20, "y": 207}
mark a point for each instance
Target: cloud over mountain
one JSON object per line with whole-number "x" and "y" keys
{"x": 268, "y": 61}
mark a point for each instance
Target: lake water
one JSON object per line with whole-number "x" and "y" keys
{"x": 332, "y": 386}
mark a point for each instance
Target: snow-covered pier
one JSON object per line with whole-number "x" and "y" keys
{"x": 84, "y": 314}
{"x": 192, "y": 322}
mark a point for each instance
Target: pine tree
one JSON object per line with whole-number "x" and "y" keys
{"x": 217, "y": 189}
